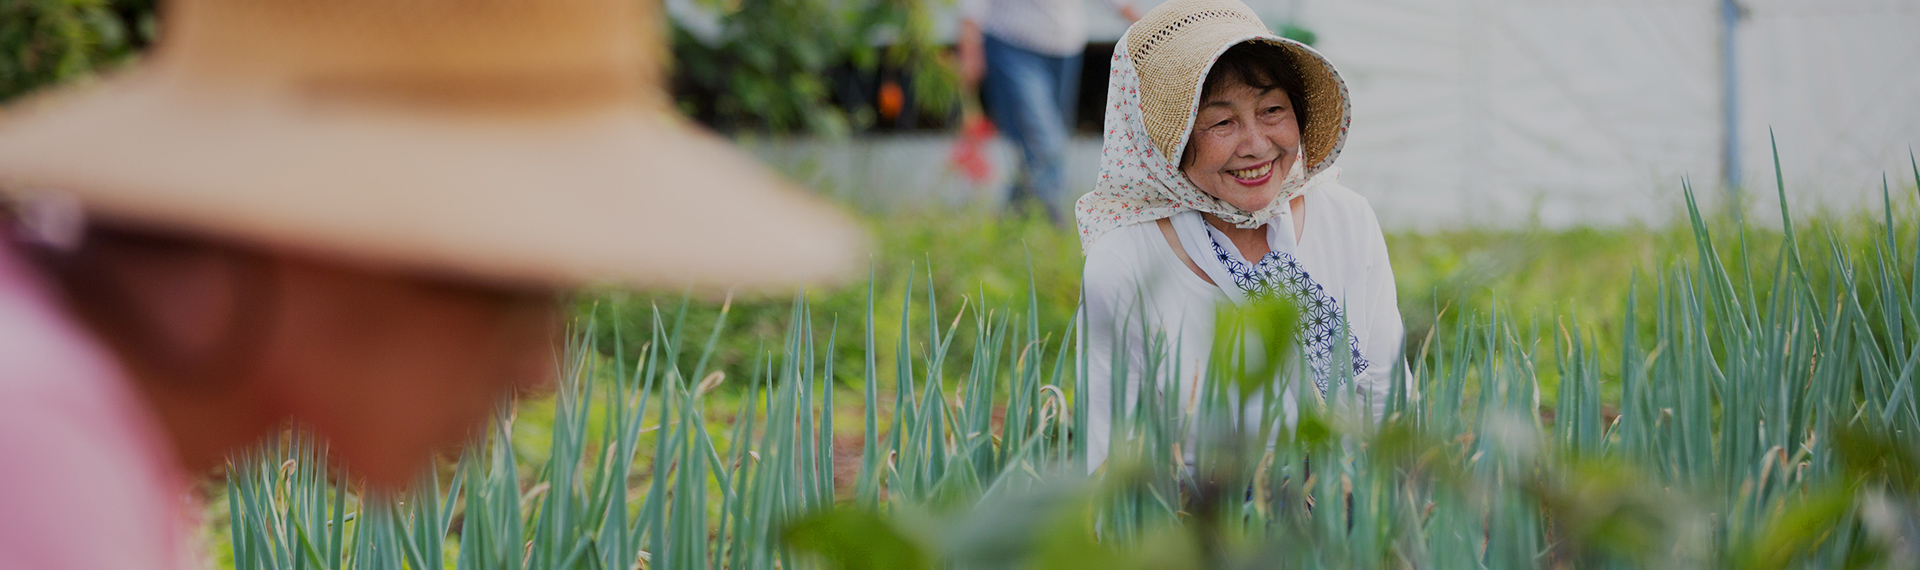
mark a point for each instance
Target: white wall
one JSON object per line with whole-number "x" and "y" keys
{"x": 1839, "y": 82}
{"x": 1504, "y": 112}
{"x": 1573, "y": 112}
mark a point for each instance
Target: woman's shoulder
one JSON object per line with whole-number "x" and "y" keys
{"x": 1341, "y": 198}
{"x": 1130, "y": 243}
{"x": 1128, "y": 257}
{"x": 1346, "y": 206}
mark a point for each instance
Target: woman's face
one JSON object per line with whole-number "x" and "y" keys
{"x": 388, "y": 366}
{"x": 391, "y": 368}
{"x": 1245, "y": 140}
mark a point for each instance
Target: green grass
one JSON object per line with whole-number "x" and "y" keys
{"x": 1706, "y": 396}
{"x": 1543, "y": 279}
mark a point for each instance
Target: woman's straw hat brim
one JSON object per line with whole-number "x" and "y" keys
{"x": 613, "y": 194}
{"x": 1175, "y": 45}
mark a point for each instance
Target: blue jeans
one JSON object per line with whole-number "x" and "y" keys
{"x": 1031, "y": 97}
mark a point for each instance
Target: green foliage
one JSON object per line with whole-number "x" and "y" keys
{"x": 44, "y": 42}
{"x": 1760, "y": 424}
{"x": 1270, "y": 326}
{"x": 1297, "y": 33}
{"x": 857, "y": 539}
{"x": 772, "y": 65}
{"x": 758, "y": 65}
{"x": 977, "y": 260}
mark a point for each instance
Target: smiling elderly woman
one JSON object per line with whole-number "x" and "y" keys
{"x": 1217, "y": 186}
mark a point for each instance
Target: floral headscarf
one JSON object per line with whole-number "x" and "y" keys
{"x": 1138, "y": 183}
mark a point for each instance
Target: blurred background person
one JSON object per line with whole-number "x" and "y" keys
{"x": 357, "y": 216}
{"x": 1022, "y": 57}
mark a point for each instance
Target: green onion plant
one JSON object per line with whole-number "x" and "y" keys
{"x": 1761, "y": 412}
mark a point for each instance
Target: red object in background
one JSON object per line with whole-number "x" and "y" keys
{"x": 969, "y": 154}
{"x": 892, "y": 99}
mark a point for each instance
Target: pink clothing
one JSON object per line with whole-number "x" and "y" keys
{"x": 87, "y": 479}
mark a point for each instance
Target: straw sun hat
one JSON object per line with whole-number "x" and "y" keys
{"x": 510, "y": 140}
{"x": 1173, "y": 47}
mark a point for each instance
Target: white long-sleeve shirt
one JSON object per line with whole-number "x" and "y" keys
{"x": 1134, "y": 282}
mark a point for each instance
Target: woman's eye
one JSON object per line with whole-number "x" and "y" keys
{"x": 1274, "y": 109}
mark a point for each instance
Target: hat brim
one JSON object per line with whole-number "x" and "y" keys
{"x": 1328, "y": 110}
{"x": 1175, "y": 46}
{"x": 620, "y": 195}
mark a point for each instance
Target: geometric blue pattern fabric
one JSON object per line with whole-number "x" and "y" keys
{"x": 1280, "y": 275}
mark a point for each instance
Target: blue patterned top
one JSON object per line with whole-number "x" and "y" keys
{"x": 1279, "y": 274}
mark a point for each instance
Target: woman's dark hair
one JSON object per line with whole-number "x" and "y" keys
{"x": 1260, "y": 65}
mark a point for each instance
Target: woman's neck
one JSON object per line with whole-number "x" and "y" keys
{"x": 1252, "y": 242}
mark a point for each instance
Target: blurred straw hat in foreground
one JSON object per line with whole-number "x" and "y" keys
{"x": 510, "y": 140}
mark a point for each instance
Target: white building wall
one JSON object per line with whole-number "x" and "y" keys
{"x": 1838, "y": 81}
{"x": 1570, "y": 112}
{"x": 1506, "y": 111}
{"x": 1573, "y": 112}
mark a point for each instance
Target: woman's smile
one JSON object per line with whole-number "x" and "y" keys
{"x": 1254, "y": 175}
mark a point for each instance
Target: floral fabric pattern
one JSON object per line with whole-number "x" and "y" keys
{"x": 1279, "y": 275}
